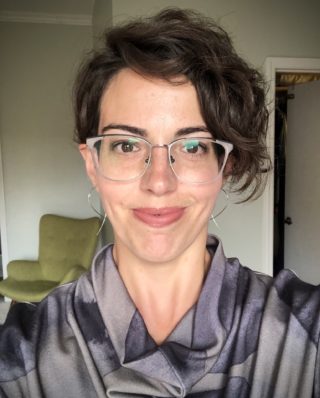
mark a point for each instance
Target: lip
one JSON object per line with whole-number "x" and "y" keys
{"x": 159, "y": 218}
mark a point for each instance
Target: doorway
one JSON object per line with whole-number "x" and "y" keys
{"x": 274, "y": 197}
{"x": 295, "y": 168}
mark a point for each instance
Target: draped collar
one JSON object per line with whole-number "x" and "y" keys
{"x": 190, "y": 350}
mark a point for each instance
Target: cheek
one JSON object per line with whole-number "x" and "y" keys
{"x": 210, "y": 199}
{"x": 209, "y": 193}
{"x": 113, "y": 196}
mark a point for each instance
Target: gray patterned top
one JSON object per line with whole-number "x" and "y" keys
{"x": 247, "y": 336}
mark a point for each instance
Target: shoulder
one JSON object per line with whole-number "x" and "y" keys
{"x": 287, "y": 285}
{"x": 26, "y": 329}
{"x": 303, "y": 300}
{"x": 292, "y": 291}
{"x": 287, "y": 297}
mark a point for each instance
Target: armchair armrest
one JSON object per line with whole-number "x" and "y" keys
{"x": 73, "y": 274}
{"x": 22, "y": 270}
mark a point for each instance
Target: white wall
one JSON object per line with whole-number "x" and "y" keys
{"x": 259, "y": 29}
{"x": 101, "y": 19}
{"x": 42, "y": 169}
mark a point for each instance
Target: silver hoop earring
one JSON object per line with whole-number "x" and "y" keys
{"x": 214, "y": 216}
{"x": 102, "y": 216}
{"x": 102, "y": 224}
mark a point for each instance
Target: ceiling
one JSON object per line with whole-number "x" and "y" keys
{"x": 83, "y": 7}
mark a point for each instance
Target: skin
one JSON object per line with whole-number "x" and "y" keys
{"x": 163, "y": 266}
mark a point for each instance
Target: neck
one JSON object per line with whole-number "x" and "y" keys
{"x": 163, "y": 292}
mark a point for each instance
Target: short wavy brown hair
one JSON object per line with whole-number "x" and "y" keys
{"x": 177, "y": 43}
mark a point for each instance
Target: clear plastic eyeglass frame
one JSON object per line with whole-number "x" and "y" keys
{"x": 90, "y": 142}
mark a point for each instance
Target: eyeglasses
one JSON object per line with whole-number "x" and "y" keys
{"x": 120, "y": 157}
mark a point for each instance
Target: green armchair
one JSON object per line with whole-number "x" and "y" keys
{"x": 66, "y": 248}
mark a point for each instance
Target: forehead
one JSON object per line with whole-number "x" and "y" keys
{"x": 149, "y": 102}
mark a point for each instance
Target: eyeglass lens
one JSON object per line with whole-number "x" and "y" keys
{"x": 124, "y": 158}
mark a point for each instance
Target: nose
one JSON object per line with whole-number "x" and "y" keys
{"x": 159, "y": 178}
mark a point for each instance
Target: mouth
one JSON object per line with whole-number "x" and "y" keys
{"x": 159, "y": 218}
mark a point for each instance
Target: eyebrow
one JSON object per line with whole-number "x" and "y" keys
{"x": 191, "y": 130}
{"x": 125, "y": 127}
{"x": 143, "y": 132}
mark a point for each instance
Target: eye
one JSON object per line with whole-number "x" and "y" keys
{"x": 194, "y": 147}
{"x": 125, "y": 146}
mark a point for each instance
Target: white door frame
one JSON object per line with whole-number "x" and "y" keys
{"x": 3, "y": 223}
{"x": 273, "y": 65}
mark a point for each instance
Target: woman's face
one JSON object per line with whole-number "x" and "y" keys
{"x": 155, "y": 218}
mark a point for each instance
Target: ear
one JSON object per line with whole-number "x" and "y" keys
{"x": 229, "y": 165}
{"x": 91, "y": 170}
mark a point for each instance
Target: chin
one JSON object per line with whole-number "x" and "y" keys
{"x": 158, "y": 257}
{"x": 159, "y": 248}
{"x": 162, "y": 247}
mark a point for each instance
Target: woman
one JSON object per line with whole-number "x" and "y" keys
{"x": 166, "y": 114}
